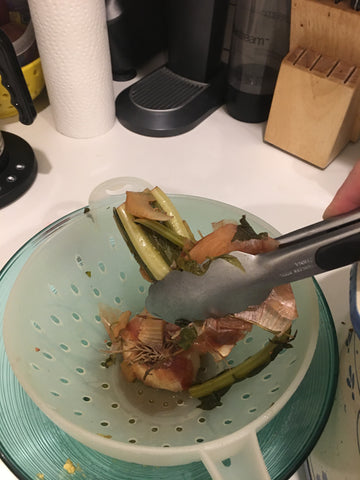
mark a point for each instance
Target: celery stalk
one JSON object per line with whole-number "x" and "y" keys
{"x": 162, "y": 230}
{"x": 147, "y": 252}
{"x": 176, "y": 222}
{"x": 247, "y": 368}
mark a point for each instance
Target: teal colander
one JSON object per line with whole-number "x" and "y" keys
{"x": 57, "y": 348}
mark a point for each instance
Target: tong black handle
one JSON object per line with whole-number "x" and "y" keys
{"x": 318, "y": 248}
{"x": 13, "y": 80}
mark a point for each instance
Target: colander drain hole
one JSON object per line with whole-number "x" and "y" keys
{"x": 36, "y": 326}
{"x": 79, "y": 261}
{"x": 56, "y": 320}
{"x": 274, "y": 389}
{"x": 75, "y": 289}
{"x": 112, "y": 241}
{"x": 53, "y": 289}
{"x": 102, "y": 267}
{"x": 48, "y": 356}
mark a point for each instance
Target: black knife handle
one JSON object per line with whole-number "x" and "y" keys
{"x": 13, "y": 80}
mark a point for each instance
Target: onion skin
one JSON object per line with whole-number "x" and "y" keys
{"x": 160, "y": 365}
{"x": 139, "y": 205}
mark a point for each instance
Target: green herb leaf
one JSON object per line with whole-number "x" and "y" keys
{"x": 245, "y": 231}
{"x": 188, "y": 336}
{"x": 233, "y": 260}
{"x": 182, "y": 322}
{"x": 188, "y": 265}
{"x": 109, "y": 361}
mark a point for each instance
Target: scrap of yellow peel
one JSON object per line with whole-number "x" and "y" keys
{"x": 69, "y": 466}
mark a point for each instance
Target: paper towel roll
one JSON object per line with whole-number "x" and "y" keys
{"x": 73, "y": 44}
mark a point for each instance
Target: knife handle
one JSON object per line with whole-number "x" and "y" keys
{"x": 13, "y": 80}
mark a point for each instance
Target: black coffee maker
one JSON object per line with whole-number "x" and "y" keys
{"x": 18, "y": 167}
{"x": 178, "y": 96}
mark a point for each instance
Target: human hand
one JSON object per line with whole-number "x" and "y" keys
{"x": 348, "y": 196}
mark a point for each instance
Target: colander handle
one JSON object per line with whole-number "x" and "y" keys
{"x": 239, "y": 458}
{"x": 113, "y": 190}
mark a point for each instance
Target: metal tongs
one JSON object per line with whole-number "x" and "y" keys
{"x": 225, "y": 288}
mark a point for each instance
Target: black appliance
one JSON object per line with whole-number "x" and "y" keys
{"x": 137, "y": 31}
{"x": 18, "y": 166}
{"x": 179, "y": 95}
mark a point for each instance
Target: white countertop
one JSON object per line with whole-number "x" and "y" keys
{"x": 222, "y": 158}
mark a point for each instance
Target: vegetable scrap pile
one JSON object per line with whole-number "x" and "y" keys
{"x": 167, "y": 356}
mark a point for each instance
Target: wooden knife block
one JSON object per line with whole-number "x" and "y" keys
{"x": 315, "y": 110}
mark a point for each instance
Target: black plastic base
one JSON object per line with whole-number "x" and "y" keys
{"x": 247, "y": 107}
{"x": 164, "y": 104}
{"x": 124, "y": 75}
{"x": 18, "y": 168}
